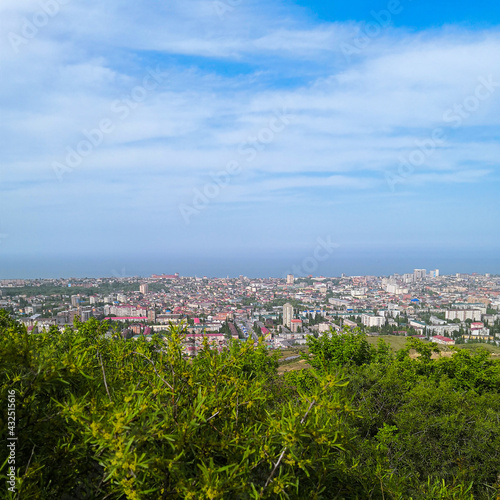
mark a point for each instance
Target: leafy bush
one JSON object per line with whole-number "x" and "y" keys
{"x": 99, "y": 416}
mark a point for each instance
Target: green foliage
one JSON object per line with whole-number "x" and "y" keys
{"x": 99, "y": 416}
{"x": 443, "y": 415}
{"x": 349, "y": 347}
{"x": 109, "y": 286}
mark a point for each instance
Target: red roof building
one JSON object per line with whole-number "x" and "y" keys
{"x": 439, "y": 339}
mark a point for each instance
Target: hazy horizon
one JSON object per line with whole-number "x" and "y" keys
{"x": 277, "y": 266}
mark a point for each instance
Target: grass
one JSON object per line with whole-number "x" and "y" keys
{"x": 396, "y": 343}
{"x": 293, "y": 351}
{"x": 294, "y": 364}
{"x": 474, "y": 348}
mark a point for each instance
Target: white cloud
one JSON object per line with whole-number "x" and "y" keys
{"x": 348, "y": 122}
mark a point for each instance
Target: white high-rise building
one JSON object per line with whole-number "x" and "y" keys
{"x": 395, "y": 289}
{"x": 419, "y": 273}
{"x": 408, "y": 278}
{"x": 144, "y": 288}
{"x": 463, "y": 314}
{"x": 289, "y": 279}
{"x": 372, "y": 320}
{"x": 287, "y": 315}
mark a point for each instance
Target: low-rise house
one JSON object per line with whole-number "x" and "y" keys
{"x": 439, "y": 339}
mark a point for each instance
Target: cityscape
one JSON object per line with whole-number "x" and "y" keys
{"x": 250, "y": 250}
{"x": 448, "y": 310}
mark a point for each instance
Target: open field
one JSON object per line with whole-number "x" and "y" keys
{"x": 297, "y": 364}
{"x": 495, "y": 351}
{"x": 293, "y": 364}
{"x": 397, "y": 343}
{"x": 292, "y": 351}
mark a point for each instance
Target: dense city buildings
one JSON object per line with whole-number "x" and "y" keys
{"x": 281, "y": 312}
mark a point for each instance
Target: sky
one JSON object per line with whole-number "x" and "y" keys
{"x": 248, "y": 137}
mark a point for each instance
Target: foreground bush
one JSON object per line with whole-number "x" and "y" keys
{"x": 103, "y": 417}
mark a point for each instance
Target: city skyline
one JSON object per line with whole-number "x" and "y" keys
{"x": 289, "y": 278}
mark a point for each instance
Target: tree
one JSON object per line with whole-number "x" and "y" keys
{"x": 338, "y": 349}
{"x": 99, "y": 416}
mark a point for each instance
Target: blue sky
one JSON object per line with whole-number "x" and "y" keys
{"x": 416, "y": 14}
{"x": 243, "y": 130}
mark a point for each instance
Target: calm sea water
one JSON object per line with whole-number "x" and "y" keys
{"x": 351, "y": 262}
